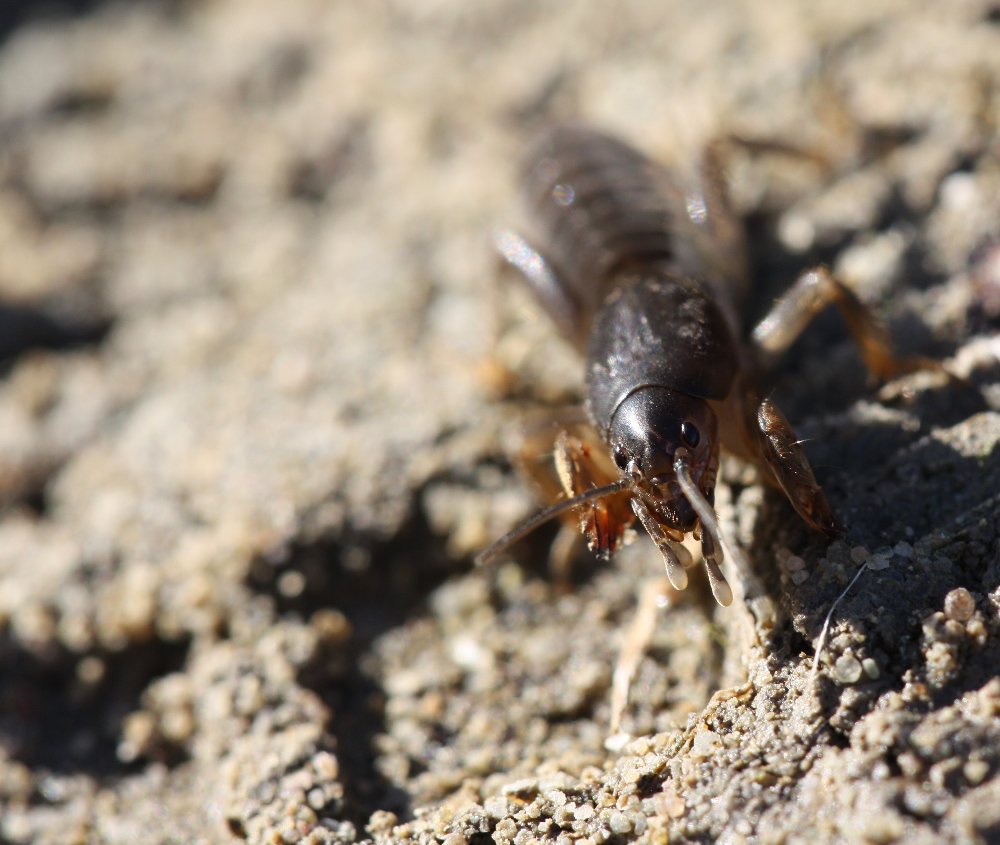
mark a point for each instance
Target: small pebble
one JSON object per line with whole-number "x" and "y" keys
{"x": 316, "y": 798}
{"x": 291, "y": 584}
{"x": 704, "y": 744}
{"x": 859, "y": 554}
{"x": 870, "y": 667}
{"x": 847, "y": 669}
{"x": 506, "y": 829}
{"x": 796, "y": 232}
{"x": 524, "y": 786}
{"x": 910, "y": 765}
{"x": 959, "y": 605}
{"x": 326, "y": 766}
{"x": 91, "y": 670}
{"x": 672, "y": 803}
{"x": 583, "y": 812}
{"x": 620, "y": 823}
{"x": 953, "y": 630}
{"x": 878, "y": 563}
{"x": 616, "y": 742}
{"x": 497, "y": 806}
{"x": 977, "y": 630}
{"x": 794, "y": 563}
{"x": 975, "y": 771}
{"x": 761, "y": 675}
{"x": 557, "y": 797}
{"x": 881, "y": 829}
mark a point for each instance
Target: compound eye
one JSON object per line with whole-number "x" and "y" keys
{"x": 621, "y": 457}
{"x": 689, "y": 434}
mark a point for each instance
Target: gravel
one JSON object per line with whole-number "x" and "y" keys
{"x": 261, "y": 377}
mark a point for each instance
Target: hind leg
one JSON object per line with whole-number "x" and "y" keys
{"x": 767, "y": 434}
{"x": 812, "y": 292}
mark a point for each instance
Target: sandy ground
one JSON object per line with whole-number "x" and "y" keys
{"x": 260, "y": 376}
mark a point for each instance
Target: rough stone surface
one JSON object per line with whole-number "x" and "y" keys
{"x": 259, "y": 373}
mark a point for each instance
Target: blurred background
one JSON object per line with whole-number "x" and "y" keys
{"x": 257, "y": 370}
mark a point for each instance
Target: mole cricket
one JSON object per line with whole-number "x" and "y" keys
{"x": 644, "y": 272}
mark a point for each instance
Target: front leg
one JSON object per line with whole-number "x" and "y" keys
{"x": 770, "y": 441}
{"x": 582, "y": 466}
{"x": 545, "y": 437}
{"x": 783, "y": 454}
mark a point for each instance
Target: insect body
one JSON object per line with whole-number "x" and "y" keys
{"x": 645, "y": 275}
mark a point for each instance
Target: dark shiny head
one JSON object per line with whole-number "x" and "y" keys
{"x": 647, "y": 429}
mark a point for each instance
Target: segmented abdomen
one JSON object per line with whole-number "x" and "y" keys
{"x": 601, "y": 207}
